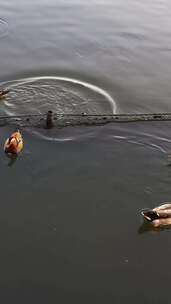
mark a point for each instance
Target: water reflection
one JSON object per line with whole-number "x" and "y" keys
{"x": 148, "y": 227}
{"x": 12, "y": 159}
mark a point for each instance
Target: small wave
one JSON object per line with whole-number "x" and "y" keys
{"x": 151, "y": 145}
{"x": 136, "y": 142}
{"x": 54, "y": 139}
{"x": 157, "y": 137}
{"x": 119, "y": 137}
{"x": 158, "y": 147}
{"x": 3, "y": 27}
{"x": 64, "y": 135}
{"x": 140, "y": 139}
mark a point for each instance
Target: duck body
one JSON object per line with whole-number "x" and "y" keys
{"x": 3, "y": 92}
{"x": 14, "y": 144}
{"x": 159, "y": 216}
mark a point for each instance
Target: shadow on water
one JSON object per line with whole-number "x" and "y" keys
{"x": 148, "y": 227}
{"x": 12, "y": 159}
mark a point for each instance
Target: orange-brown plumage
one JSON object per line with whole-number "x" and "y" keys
{"x": 14, "y": 144}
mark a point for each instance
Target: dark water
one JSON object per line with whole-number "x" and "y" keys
{"x": 70, "y": 225}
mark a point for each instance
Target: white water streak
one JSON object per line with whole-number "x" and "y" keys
{"x": 15, "y": 83}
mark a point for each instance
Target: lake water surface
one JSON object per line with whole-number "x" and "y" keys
{"x": 71, "y": 230}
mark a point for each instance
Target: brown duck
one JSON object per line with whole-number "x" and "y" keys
{"x": 14, "y": 144}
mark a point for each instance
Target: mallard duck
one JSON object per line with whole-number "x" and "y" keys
{"x": 3, "y": 92}
{"x": 159, "y": 216}
{"x": 14, "y": 144}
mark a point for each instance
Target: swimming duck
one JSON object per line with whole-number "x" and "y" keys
{"x": 14, "y": 144}
{"x": 3, "y": 92}
{"x": 159, "y": 216}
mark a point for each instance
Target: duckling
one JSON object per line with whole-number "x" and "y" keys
{"x": 14, "y": 144}
{"x": 159, "y": 216}
{"x": 3, "y": 92}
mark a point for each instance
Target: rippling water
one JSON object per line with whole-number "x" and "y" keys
{"x": 70, "y": 224}
{"x": 124, "y": 48}
{"x": 60, "y": 94}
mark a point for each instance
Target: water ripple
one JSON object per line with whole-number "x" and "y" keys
{"x": 36, "y": 95}
{"x": 3, "y": 27}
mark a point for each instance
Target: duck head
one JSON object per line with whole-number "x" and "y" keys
{"x": 159, "y": 216}
{"x": 150, "y": 215}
